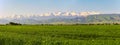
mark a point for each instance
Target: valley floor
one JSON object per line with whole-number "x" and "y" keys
{"x": 60, "y": 35}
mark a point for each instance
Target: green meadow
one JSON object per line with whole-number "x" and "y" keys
{"x": 60, "y": 35}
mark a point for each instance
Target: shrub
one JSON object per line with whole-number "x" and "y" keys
{"x": 13, "y": 23}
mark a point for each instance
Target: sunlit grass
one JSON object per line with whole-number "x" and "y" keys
{"x": 60, "y": 35}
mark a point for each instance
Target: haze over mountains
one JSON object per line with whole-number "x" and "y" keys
{"x": 62, "y": 18}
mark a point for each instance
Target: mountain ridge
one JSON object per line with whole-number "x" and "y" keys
{"x": 96, "y": 18}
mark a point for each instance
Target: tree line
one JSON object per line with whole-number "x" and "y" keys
{"x": 13, "y": 23}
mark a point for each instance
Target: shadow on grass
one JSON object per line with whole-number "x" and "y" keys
{"x": 87, "y": 36}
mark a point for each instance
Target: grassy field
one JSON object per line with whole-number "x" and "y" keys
{"x": 60, "y": 35}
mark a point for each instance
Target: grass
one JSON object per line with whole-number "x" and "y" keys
{"x": 60, "y": 35}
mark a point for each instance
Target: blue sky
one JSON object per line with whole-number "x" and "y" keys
{"x": 11, "y": 7}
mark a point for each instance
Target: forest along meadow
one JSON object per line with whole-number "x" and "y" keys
{"x": 60, "y": 34}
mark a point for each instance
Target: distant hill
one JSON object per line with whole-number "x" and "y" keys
{"x": 108, "y": 18}
{"x": 99, "y": 18}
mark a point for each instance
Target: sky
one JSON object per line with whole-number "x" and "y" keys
{"x": 19, "y": 7}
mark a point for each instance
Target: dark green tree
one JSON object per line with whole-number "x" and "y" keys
{"x": 13, "y": 23}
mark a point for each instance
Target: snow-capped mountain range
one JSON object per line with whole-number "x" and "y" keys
{"x": 52, "y": 14}
{"x": 61, "y": 17}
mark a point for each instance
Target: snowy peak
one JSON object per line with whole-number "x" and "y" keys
{"x": 53, "y": 14}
